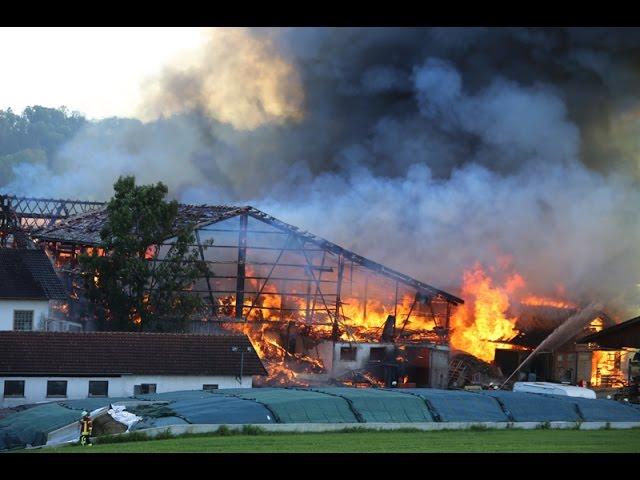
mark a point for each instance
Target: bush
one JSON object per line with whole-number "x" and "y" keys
{"x": 543, "y": 426}
{"x": 478, "y": 428}
{"x": 165, "y": 434}
{"x": 354, "y": 430}
{"x": 130, "y": 437}
{"x": 253, "y": 430}
{"x": 224, "y": 431}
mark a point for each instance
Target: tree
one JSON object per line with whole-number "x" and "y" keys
{"x": 38, "y": 128}
{"x": 34, "y": 137}
{"x": 139, "y": 283}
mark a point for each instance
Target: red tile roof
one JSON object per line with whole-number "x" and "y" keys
{"x": 116, "y": 353}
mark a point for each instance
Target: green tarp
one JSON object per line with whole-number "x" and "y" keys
{"x": 297, "y": 405}
{"x": 375, "y": 405}
{"x": 533, "y": 407}
{"x": 460, "y": 405}
{"x": 91, "y": 404}
{"x": 151, "y": 422}
{"x": 201, "y": 407}
{"x": 30, "y": 427}
{"x": 173, "y": 396}
{"x": 601, "y": 410}
{"x": 316, "y": 405}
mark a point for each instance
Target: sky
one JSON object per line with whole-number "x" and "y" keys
{"x": 440, "y": 147}
{"x": 56, "y": 67}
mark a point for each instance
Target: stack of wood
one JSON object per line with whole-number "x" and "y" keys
{"x": 466, "y": 369}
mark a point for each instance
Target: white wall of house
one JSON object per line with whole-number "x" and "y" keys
{"x": 331, "y": 356}
{"x": 40, "y": 312}
{"x": 35, "y": 388}
{"x": 337, "y": 366}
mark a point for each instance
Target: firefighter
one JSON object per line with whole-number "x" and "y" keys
{"x": 86, "y": 426}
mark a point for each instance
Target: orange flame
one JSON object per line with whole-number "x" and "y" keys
{"x": 536, "y": 301}
{"x": 606, "y": 368}
{"x": 357, "y": 322}
{"x": 483, "y": 320}
{"x": 61, "y": 308}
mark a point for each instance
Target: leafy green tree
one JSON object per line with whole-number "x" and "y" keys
{"x": 38, "y": 127}
{"x": 140, "y": 284}
{"x": 34, "y": 137}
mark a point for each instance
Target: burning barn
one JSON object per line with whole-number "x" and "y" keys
{"x": 567, "y": 361}
{"x": 314, "y": 311}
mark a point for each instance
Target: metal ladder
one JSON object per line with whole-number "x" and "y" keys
{"x": 457, "y": 370}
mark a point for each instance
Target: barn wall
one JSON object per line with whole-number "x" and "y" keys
{"x": 78, "y": 387}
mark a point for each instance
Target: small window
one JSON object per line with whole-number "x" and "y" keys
{"x": 57, "y": 388}
{"x": 377, "y": 354}
{"x": 14, "y": 388}
{"x": 23, "y": 319}
{"x": 98, "y": 388}
{"x": 144, "y": 388}
{"x": 210, "y": 386}
{"x": 348, "y": 354}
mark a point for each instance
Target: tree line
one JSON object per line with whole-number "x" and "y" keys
{"x": 34, "y": 136}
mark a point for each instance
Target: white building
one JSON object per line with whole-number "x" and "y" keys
{"x": 28, "y": 285}
{"x": 53, "y": 366}
{"x": 422, "y": 364}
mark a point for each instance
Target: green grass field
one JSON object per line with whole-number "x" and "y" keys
{"x": 580, "y": 441}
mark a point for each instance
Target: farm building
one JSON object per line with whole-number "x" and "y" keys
{"x": 573, "y": 360}
{"x": 311, "y": 308}
{"x": 55, "y": 366}
{"x": 29, "y": 288}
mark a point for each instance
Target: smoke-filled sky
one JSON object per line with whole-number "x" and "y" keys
{"x": 425, "y": 149}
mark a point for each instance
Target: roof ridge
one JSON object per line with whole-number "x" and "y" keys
{"x": 137, "y": 353}
{"x": 89, "y": 236}
{"x": 115, "y": 332}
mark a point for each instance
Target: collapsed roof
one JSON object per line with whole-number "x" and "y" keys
{"x": 625, "y": 334}
{"x": 536, "y": 323}
{"x": 84, "y": 229}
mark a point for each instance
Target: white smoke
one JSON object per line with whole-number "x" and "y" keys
{"x": 408, "y": 147}
{"x": 560, "y": 226}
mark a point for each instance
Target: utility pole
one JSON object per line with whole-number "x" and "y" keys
{"x": 242, "y": 351}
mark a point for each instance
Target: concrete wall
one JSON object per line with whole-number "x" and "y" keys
{"x": 438, "y": 367}
{"x": 35, "y": 388}
{"x": 363, "y": 352}
{"x": 438, "y": 360}
{"x": 40, "y": 312}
